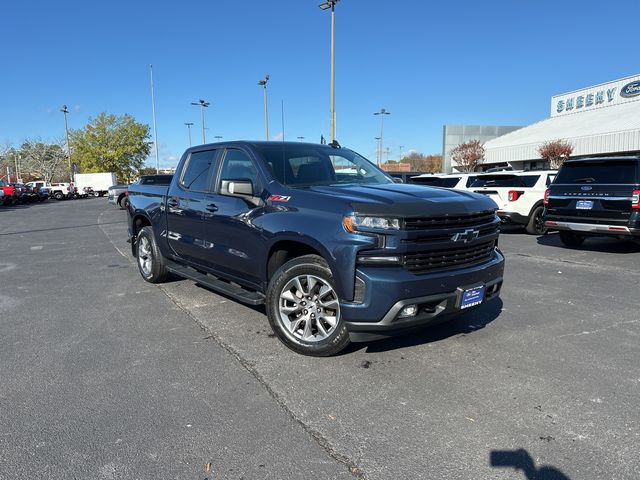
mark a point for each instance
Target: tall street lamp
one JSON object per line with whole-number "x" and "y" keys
{"x": 325, "y": 6}
{"x": 301, "y": 138}
{"x": 401, "y": 148}
{"x": 189, "y": 125}
{"x": 263, "y": 83}
{"x": 65, "y": 111}
{"x": 218, "y": 137}
{"x": 382, "y": 113}
{"x": 202, "y": 104}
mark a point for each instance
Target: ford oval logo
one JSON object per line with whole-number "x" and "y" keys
{"x": 586, "y": 188}
{"x": 631, "y": 89}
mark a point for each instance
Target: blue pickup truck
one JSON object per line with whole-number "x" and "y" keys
{"x": 331, "y": 245}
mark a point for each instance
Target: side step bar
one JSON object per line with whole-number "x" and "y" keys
{"x": 232, "y": 290}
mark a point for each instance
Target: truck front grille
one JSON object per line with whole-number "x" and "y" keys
{"x": 450, "y": 221}
{"x": 438, "y": 260}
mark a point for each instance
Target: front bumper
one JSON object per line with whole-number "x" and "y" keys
{"x": 388, "y": 289}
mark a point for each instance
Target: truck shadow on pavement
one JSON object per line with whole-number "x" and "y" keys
{"x": 520, "y": 460}
{"x": 593, "y": 244}
{"x": 463, "y": 325}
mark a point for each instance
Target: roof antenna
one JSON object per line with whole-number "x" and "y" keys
{"x": 282, "y": 120}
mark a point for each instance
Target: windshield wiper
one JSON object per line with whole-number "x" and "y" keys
{"x": 584, "y": 180}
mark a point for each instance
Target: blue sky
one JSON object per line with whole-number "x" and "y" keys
{"x": 428, "y": 63}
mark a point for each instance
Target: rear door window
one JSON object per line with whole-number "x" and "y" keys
{"x": 197, "y": 173}
{"x": 526, "y": 181}
{"x": 605, "y": 172}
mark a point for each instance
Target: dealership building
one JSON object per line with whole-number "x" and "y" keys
{"x": 599, "y": 120}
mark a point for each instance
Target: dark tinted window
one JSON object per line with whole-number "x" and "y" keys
{"x": 156, "y": 180}
{"x": 448, "y": 182}
{"x": 196, "y": 176}
{"x": 505, "y": 181}
{"x": 470, "y": 180}
{"x": 613, "y": 171}
{"x": 238, "y": 166}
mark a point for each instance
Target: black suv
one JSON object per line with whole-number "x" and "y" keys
{"x": 595, "y": 196}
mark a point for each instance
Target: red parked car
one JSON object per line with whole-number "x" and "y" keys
{"x": 11, "y": 193}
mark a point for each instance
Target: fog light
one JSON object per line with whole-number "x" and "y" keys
{"x": 408, "y": 311}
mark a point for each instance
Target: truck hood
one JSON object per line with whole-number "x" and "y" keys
{"x": 407, "y": 200}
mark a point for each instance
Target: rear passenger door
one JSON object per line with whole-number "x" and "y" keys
{"x": 186, "y": 206}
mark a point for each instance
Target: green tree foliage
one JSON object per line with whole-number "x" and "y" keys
{"x": 111, "y": 143}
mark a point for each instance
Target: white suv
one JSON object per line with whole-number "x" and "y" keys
{"x": 456, "y": 181}
{"x": 519, "y": 196}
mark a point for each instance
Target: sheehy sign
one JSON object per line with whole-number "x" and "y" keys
{"x": 612, "y": 93}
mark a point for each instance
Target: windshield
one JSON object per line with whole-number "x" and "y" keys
{"x": 505, "y": 181}
{"x": 607, "y": 171}
{"x": 310, "y": 165}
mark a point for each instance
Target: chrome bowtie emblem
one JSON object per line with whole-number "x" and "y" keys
{"x": 466, "y": 236}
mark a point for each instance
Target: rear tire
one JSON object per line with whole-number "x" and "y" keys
{"x": 536, "y": 223}
{"x": 151, "y": 263}
{"x": 58, "y": 195}
{"x": 571, "y": 239}
{"x": 303, "y": 308}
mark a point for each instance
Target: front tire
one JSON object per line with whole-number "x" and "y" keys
{"x": 303, "y": 308}
{"x": 536, "y": 223}
{"x": 149, "y": 259}
{"x": 570, "y": 239}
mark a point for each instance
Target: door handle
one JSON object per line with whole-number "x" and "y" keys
{"x": 173, "y": 202}
{"x": 212, "y": 207}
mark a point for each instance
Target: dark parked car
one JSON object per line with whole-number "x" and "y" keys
{"x": 334, "y": 248}
{"x": 595, "y": 196}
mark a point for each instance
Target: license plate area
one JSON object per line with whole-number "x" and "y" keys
{"x": 470, "y": 296}
{"x": 584, "y": 205}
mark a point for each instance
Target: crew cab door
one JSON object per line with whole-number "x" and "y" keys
{"x": 186, "y": 206}
{"x": 235, "y": 246}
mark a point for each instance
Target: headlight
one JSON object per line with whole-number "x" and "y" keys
{"x": 356, "y": 222}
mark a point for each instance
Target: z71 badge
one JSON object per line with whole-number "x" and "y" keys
{"x": 279, "y": 198}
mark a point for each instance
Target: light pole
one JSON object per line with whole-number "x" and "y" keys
{"x": 65, "y": 111}
{"x": 153, "y": 112}
{"x": 324, "y": 6}
{"x": 263, "y": 83}
{"x": 301, "y": 138}
{"x": 401, "y": 147}
{"x": 382, "y": 113}
{"x": 189, "y": 125}
{"x": 218, "y": 137}
{"x": 377, "y": 139}
{"x": 202, "y": 104}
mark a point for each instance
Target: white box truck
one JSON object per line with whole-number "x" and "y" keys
{"x": 100, "y": 182}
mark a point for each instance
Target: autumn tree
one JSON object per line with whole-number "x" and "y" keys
{"x": 468, "y": 155}
{"x": 111, "y": 143}
{"x": 555, "y": 152}
{"x": 423, "y": 163}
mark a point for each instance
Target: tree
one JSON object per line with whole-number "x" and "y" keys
{"x": 423, "y": 163}
{"x": 555, "y": 152}
{"x": 111, "y": 143}
{"x": 43, "y": 159}
{"x": 468, "y": 155}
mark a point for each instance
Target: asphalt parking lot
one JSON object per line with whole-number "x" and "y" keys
{"x": 105, "y": 376}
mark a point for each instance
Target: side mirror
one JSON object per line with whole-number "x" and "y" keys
{"x": 397, "y": 180}
{"x": 237, "y": 188}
